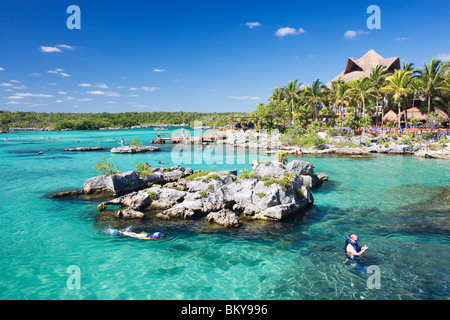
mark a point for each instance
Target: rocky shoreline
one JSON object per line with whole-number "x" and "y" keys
{"x": 342, "y": 145}
{"x": 271, "y": 191}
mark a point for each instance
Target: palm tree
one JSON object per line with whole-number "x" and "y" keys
{"x": 397, "y": 84}
{"x": 431, "y": 76}
{"x": 361, "y": 89}
{"x": 314, "y": 96}
{"x": 292, "y": 95}
{"x": 377, "y": 80}
{"x": 339, "y": 96}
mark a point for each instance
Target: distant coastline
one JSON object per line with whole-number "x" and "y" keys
{"x": 33, "y": 121}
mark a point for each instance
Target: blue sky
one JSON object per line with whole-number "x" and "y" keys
{"x": 201, "y": 56}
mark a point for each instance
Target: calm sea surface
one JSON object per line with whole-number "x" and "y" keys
{"x": 396, "y": 204}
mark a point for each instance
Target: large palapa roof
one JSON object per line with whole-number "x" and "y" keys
{"x": 362, "y": 67}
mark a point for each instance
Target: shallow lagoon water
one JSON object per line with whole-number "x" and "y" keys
{"x": 396, "y": 204}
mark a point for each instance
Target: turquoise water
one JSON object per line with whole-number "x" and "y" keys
{"x": 396, "y": 204}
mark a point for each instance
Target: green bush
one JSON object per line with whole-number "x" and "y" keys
{"x": 143, "y": 170}
{"x": 105, "y": 167}
{"x": 135, "y": 143}
{"x": 152, "y": 195}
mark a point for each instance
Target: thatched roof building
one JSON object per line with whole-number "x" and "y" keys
{"x": 391, "y": 116}
{"x": 362, "y": 67}
{"x": 414, "y": 113}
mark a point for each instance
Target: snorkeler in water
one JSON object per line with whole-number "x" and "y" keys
{"x": 142, "y": 235}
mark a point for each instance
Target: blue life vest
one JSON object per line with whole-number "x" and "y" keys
{"x": 355, "y": 245}
{"x": 155, "y": 235}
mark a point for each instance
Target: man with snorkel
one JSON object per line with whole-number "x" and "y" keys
{"x": 352, "y": 248}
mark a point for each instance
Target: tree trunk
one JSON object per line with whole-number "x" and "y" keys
{"x": 399, "y": 109}
{"x": 429, "y": 104}
{"x": 364, "y": 107}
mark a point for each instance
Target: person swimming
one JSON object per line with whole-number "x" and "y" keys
{"x": 142, "y": 235}
{"x": 352, "y": 248}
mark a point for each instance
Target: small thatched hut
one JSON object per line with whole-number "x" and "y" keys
{"x": 414, "y": 113}
{"x": 391, "y": 116}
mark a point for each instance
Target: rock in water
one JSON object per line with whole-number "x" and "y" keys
{"x": 128, "y": 149}
{"x": 129, "y": 213}
{"x": 118, "y": 184}
{"x": 224, "y": 217}
{"x": 300, "y": 167}
{"x": 140, "y": 200}
{"x": 85, "y": 149}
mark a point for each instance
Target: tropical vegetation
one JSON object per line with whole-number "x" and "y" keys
{"x": 361, "y": 102}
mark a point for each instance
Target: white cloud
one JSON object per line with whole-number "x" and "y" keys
{"x": 1, "y": 69}
{"x": 65, "y": 46}
{"x": 85, "y": 85}
{"x": 38, "y": 95}
{"x": 69, "y": 98}
{"x": 36, "y": 74}
{"x": 52, "y": 71}
{"x": 401, "y": 39}
{"x": 244, "y": 98}
{"x": 151, "y": 89}
{"x": 14, "y": 81}
{"x": 59, "y": 101}
{"x": 101, "y": 86}
{"x": 12, "y": 102}
{"x": 251, "y": 25}
{"x": 351, "y": 34}
{"x": 96, "y": 92}
{"x": 443, "y": 56}
{"x": 5, "y": 84}
{"x": 64, "y": 74}
{"x": 282, "y": 32}
{"x": 56, "y": 48}
{"x": 49, "y": 49}
{"x": 15, "y": 97}
{"x": 86, "y": 99}
{"x": 20, "y": 87}
{"x": 107, "y": 93}
{"x": 52, "y": 84}
{"x": 62, "y": 92}
{"x": 159, "y": 70}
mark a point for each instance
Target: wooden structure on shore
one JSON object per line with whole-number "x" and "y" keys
{"x": 174, "y": 137}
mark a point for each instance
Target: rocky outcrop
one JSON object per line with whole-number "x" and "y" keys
{"x": 85, "y": 149}
{"x": 117, "y": 184}
{"x": 272, "y": 191}
{"x": 122, "y": 183}
{"x": 128, "y": 149}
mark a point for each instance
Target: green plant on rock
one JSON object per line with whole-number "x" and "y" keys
{"x": 143, "y": 170}
{"x": 105, "y": 167}
{"x": 135, "y": 143}
{"x": 152, "y": 195}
